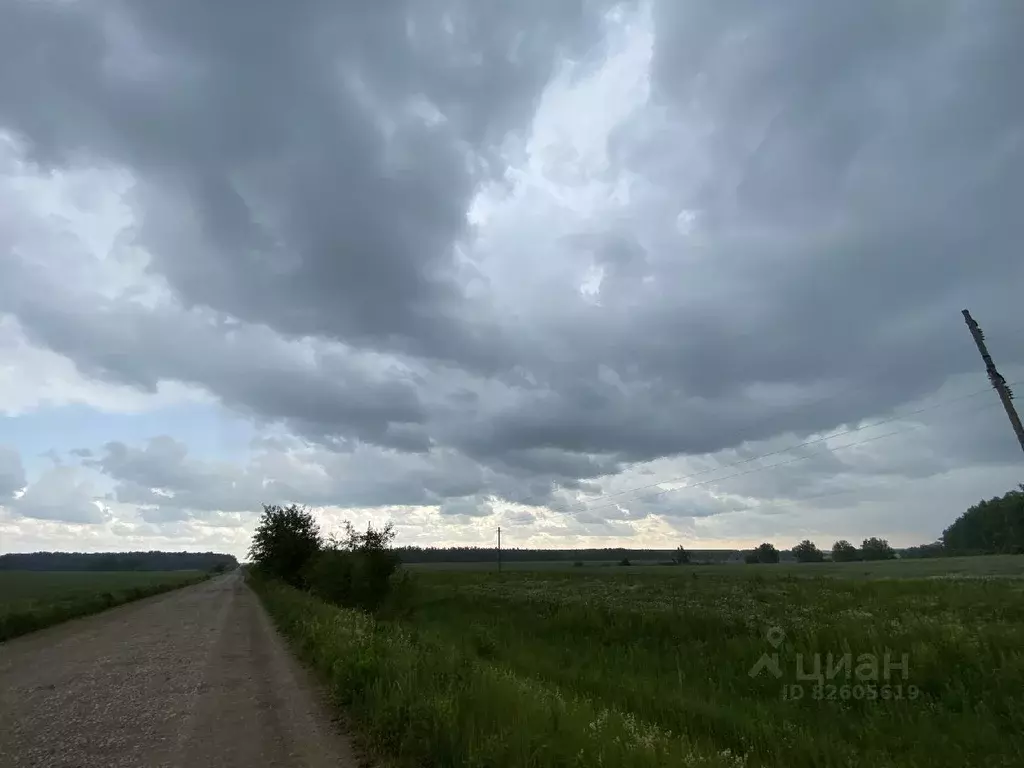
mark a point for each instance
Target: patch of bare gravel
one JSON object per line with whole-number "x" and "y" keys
{"x": 189, "y": 679}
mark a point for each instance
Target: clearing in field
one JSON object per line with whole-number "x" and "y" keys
{"x": 715, "y": 666}
{"x": 31, "y": 600}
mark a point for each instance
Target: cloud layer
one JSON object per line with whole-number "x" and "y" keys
{"x": 481, "y": 259}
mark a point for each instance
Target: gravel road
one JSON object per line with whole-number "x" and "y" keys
{"x": 192, "y": 678}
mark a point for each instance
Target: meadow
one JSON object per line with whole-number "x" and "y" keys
{"x": 887, "y": 664}
{"x": 1009, "y": 566}
{"x": 31, "y": 600}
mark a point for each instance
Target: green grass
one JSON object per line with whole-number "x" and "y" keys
{"x": 998, "y": 565}
{"x": 31, "y": 600}
{"x": 651, "y": 666}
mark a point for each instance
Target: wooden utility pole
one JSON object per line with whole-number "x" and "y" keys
{"x": 998, "y": 382}
{"x": 499, "y": 549}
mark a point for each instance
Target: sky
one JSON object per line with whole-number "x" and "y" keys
{"x": 603, "y": 274}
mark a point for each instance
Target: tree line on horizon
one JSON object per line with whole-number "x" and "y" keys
{"x": 117, "y": 561}
{"x": 990, "y": 527}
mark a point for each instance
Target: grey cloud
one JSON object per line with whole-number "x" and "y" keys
{"x": 302, "y": 182}
{"x": 519, "y": 518}
{"x": 252, "y": 370}
{"x": 12, "y": 473}
{"x": 466, "y": 507}
{"x": 283, "y": 155}
{"x": 60, "y": 494}
{"x": 169, "y": 484}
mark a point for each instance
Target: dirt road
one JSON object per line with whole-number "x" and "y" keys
{"x": 192, "y": 678}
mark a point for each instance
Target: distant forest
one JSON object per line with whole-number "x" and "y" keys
{"x": 513, "y": 555}
{"x": 116, "y": 561}
{"x": 992, "y": 527}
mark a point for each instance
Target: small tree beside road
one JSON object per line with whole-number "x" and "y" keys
{"x": 285, "y": 540}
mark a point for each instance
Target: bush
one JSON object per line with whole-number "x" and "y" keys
{"x": 766, "y": 553}
{"x": 844, "y": 552}
{"x": 876, "y": 549}
{"x": 355, "y": 571}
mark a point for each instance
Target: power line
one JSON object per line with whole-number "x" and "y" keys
{"x": 814, "y": 441}
{"x": 794, "y": 460}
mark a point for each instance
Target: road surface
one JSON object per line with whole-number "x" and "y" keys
{"x": 193, "y": 678}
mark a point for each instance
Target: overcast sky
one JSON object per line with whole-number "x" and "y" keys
{"x": 571, "y": 268}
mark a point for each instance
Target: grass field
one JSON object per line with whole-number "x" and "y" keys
{"x": 653, "y": 667}
{"x": 996, "y": 565}
{"x": 31, "y": 600}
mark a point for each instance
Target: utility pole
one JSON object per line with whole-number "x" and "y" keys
{"x": 998, "y": 382}
{"x": 499, "y": 549}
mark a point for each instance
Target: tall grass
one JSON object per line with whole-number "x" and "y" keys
{"x": 423, "y": 702}
{"x": 562, "y": 668}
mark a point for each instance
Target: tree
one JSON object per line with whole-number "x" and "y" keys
{"x": 765, "y": 553}
{"x": 285, "y": 541}
{"x": 807, "y": 552}
{"x": 876, "y": 549}
{"x": 844, "y": 552}
{"x": 995, "y": 526}
{"x": 681, "y": 556}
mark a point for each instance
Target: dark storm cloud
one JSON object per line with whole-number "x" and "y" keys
{"x": 855, "y": 183}
{"x": 466, "y": 507}
{"x": 250, "y": 369}
{"x": 161, "y": 476}
{"x": 293, "y": 171}
{"x": 852, "y": 172}
{"x": 875, "y": 151}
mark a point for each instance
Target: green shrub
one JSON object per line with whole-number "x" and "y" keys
{"x": 356, "y": 571}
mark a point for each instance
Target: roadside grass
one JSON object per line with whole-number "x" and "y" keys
{"x": 652, "y": 667}
{"x": 423, "y": 702}
{"x": 31, "y": 600}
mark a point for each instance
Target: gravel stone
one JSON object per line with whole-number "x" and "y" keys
{"x": 192, "y": 678}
